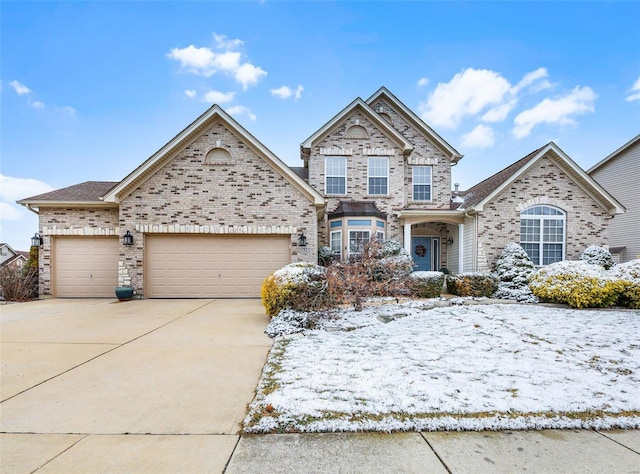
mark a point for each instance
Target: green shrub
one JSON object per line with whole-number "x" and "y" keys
{"x": 629, "y": 274}
{"x": 472, "y": 284}
{"x": 427, "y": 284}
{"x": 578, "y": 284}
{"x": 298, "y": 286}
{"x": 513, "y": 269}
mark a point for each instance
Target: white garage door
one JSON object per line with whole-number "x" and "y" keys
{"x": 85, "y": 267}
{"x": 204, "y": 266}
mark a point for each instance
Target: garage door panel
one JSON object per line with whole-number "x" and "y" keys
{"x": 211, "y": 266}
{"x": 85, "y": 267}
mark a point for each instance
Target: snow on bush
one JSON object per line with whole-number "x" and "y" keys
{"x": 629, "y": 274}
{"x": 513, "y": 268}
{"x": 300, "y": 286}
{"x": 427, "y": 284}
{"x": 472, "y": 284}
{"x": 598, "y": 256}
{"x": 578, "y": 284}
{"x": 325, "y": 256}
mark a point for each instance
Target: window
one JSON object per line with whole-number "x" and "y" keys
{"x": 421, "y": 183}
{"x": 378, "y": 175}
{"x": 336, "y": 243}
{"x": 542, "y": 230}
{"x": 379, "y": 236}
{"x": 336, "y": 175}
{"x": 357, "y": 240}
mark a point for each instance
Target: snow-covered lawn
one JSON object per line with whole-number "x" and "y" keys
{"x": 410, "y": 367}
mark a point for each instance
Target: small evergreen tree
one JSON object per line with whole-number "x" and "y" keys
{"x": 514, "y": 268}
{"x": 596, "y": 255}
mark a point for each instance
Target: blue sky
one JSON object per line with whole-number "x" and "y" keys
{"x": 89, "y": 90}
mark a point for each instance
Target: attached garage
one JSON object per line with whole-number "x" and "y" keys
{"x": 85, "y": 267}
{"x": 208, "y": 266}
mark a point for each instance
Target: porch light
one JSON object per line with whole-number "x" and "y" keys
{"x": 127, "y": 239}
{"x": 302, "y": 240}
{"x": 37, "y": 240}
{"x": 449, "y": 241}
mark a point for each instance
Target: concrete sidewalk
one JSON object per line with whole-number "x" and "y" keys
{"x": 162, "y": 386}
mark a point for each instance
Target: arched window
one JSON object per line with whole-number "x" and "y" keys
{"x": 542, "y": 234}
{"x": 218, "y": 156}
{"x": 357, "y": 131}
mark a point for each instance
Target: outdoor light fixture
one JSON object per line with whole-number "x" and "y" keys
{"x": 127, "y": 239}
{"x": 37, "y": 240}
{"x": 449, "y": 241}
{"x": 302, "y": 240}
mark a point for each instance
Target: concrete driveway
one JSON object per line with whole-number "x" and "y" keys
{"x": 98, "y": 385}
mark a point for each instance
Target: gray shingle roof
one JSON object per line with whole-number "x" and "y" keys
{"x": 83, "y": 192}
{"x": 480, "y": 191}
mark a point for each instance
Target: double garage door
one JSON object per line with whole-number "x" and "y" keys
{"x": 194, "y": 266}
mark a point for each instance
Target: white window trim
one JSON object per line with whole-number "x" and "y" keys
{"x": 541, "y": 218}
{"x": 414, "y": 184}
{"x": 369, "y": 175}
{"x": 341, "y": 242}
{"x": 352, "y": 229}
{"x": 326, "y": 175}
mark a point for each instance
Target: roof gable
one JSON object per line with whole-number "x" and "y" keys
{"x": 187, "y": 136}
{"x": 614, "y": 155}
{"x": 411, "y": 117}
{"x": 476, "y": 197}
{"x": 357, "y": 104}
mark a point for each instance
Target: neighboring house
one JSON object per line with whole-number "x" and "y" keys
{"x": 213, "y": 212}
{"x": 8, "y": 256}
{"x": 619, "y": 173}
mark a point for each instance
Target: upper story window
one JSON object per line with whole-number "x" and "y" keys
{"x": 378, "y": 176}
{"x": 542, "y": 231}
{"x": 422, "y": 183}
{"x": 335, "y": 175}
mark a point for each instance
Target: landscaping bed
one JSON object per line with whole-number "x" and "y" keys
{"x": 413, "y": 366}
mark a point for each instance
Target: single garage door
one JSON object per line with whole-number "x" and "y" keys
{"x": 207, "y": 266}
{"x": 85, "y": 267}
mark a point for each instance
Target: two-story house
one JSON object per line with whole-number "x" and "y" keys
{"x": 214, "y": 211}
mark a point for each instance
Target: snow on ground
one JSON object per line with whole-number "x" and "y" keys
{"x": 412, "y": 367}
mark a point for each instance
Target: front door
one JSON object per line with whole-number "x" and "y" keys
{"x": 421, "y": 253}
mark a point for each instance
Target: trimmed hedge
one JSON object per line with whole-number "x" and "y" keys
{"x": 427, "y": 284}
{"x": 298, "y": 286}
{"x": 578, "y": 284}
{"x": 629, "y": 274}
{"x": 472, "y": 284}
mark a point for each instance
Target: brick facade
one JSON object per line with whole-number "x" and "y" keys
{"x": 243, "y": 195}
{"x": 544, "y": 183}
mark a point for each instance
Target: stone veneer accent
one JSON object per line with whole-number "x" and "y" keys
{"x": 544, "y": 183}
{"x": 189, "y": 196}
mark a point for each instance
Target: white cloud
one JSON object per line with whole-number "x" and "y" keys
{"x": 242, "y": 110}
{"x": 423, "y": 81}
{"x": 635, "y": 92}
{"x": 216, "y": 97}
{"x": 13, "y": 189}
{"x": 190, "y": 93}
{"x": 578, "y": 101}
{"x": 499, "y": 113}
{"x": 19, "y": 88}
{"x": 9, "y": 212}
{"x": 480, "y": 137}
{"x": 37, "y": 104}
{"x": 467, "y": 94}
{"x": 206, "y": 61}
{"x": 285, "y": 92}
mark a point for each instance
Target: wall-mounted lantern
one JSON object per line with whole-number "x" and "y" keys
{"x": 37, "y": 240}
{"x": 302, "y": 240}
{"x": 449, "y": 241}
{"x": 127, "y": 239}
